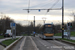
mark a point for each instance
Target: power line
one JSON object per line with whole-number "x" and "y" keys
{"x": 52, "y": 6}
{"x": 55, "y": 3}
{"x": 43, "y": 9}
{"x": 70, "y": 18}
{"x": 46, "y": 4}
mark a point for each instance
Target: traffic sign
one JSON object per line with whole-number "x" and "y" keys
{"x": 39, "y": 10}
{"x": 12, "y": 24}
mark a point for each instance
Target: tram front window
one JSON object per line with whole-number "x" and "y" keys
{"x": 48, "y": 30}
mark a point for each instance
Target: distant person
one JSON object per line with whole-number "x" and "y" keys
{"x": 34, "y": 34}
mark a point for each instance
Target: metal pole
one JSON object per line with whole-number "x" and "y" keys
{"x": 15, "y": 31}
{"x": 62, "y": 18}
{"x": 44, "y": 21}
{"x": 74, "y": 17}
{"x": 34, "y": 23}
{"x": 12, "y": 32}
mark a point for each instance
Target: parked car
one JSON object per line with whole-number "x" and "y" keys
{"x": 8, "y": 35}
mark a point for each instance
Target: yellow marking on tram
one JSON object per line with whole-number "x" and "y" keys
{"x": 46, "y": 34}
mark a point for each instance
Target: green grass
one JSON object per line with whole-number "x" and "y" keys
{"x": 1, "y": 37}
{"x": 60, "y": 34}
{"x": 72, "y": 33}
{"x": 9, "y": 41}
{"x": 68, "y": 40}
{"x": 25, "y": 34}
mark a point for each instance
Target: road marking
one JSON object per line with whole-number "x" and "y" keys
{"x": 60, "y": 43}
{"x": 44, "y": 45}
{"x": 34, "y": 44}
{"x": 47, "y": 47}
{"x": 41, "y": 42}
{"x": 22, "y": 44}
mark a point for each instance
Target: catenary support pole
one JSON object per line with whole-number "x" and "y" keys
{"x": 34, "y": 23}
{"x": 62, "y": 18}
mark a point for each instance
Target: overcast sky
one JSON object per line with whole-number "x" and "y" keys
{"x": 14, "y": 9}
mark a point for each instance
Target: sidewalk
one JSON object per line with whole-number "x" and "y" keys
{"x": 1, "y": 47}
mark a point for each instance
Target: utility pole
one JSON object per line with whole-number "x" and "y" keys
{"x": 62, "y": 18}
{"x": 74, "y": 17}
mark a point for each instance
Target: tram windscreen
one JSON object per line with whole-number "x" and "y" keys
{"x": 48, "y": 30}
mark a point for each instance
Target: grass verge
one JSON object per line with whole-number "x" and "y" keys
{"x": 9, "y": 41}
{"x": 60, "y": 34}
{"x": 1, "y": 37}
{"x": 67, "y": 40}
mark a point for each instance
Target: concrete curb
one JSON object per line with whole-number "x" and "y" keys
{"x": 3, "y": 44}
{"x": 66, "y": 41}
{"x": 11, "y": 45}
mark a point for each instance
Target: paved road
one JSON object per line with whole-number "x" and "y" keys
{"x": 1, "y": 47}
{"x": 17, "y": 46}
{"x": 35, "y": 43}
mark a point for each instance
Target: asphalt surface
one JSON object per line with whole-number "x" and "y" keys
{"x": 30, "y": 43}
{"x": 52, "y": 45}
{"x": 1, "y": 47}
{"x": 17, "y": 46}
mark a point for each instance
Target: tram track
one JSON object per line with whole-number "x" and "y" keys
{"x": 55, "y": 45}
{"x": 61, "y": 45}
{"x": 47, "y": 45}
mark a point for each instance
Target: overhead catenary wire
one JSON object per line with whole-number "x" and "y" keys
{"x": 28, "y": 6}
{"x": 55, "y": 3}
{"x": 52, "y": 6}
{"x": 43, "y": 9}
{"x": 46, "y": 3}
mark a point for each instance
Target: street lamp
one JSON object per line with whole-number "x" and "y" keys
{"x": 44, "y": 19}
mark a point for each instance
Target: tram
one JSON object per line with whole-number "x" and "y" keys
{"x": 47, "y": 31}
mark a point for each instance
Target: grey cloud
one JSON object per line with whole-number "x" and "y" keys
{"x": 16, "y": 6}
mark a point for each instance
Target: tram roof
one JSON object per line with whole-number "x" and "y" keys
{"x": 47, "y": 24}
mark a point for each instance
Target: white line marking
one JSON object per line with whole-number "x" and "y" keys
{"x": 34, "y": 44}
{"x": 22, "y": 44}
{"x": 44, "y": 45}
{"x": 47, "y": 47}
{"x": 60, "y": 42}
